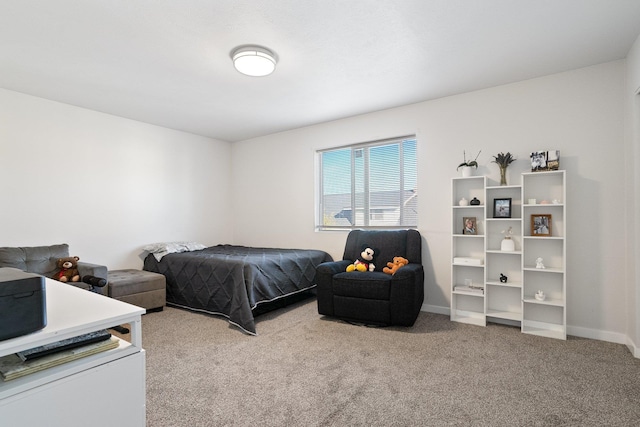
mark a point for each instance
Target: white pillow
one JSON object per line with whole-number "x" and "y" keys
{"x": 163, "y": 248}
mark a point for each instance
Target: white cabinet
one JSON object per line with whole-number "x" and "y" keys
{"x": 544, "y": 245}
{"x": 78, "y": 393}
{"x": 467, "y": 251}
{"x": 510, "y": 279}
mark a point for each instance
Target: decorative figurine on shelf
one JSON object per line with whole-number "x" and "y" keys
{"x": 503, "y": 278}
{"x": 463, "y": 202}
{"x": 539, "y": 263}
{"x": 507, "y": 245}
{"x": 540, "y": 296}
{"x": 474, "y": 202}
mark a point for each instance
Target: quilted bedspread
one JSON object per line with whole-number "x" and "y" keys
{"x": 232, "y": 280}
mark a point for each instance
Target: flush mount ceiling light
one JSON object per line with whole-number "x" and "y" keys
{"x": 254, "y": 61}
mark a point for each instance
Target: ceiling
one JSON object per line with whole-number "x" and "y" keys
{"x": 168, "y": 62}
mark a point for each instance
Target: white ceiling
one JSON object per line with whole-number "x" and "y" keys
{"x": 167, "y": 62}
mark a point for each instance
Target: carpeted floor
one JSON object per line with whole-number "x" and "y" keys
{"x": 304, "y": 369}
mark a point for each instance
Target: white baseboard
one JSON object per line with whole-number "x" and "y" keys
{"x": 633, "y": 348}
{"x": 435, "y": 309}
{"x": 576, "y": 331}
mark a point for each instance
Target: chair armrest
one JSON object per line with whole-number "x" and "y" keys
{"x": 88, "y": 269}
{"x": 324, "y": 282}
{"x": 407, "y": 294}
{"x": 408, "y": 270}
{"x": 332, "y": 267}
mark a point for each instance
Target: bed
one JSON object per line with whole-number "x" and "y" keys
{"x": 233, "y": 281}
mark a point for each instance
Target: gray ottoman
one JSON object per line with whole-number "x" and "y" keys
{"x": 142, "y": 288}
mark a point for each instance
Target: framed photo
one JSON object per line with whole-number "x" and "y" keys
{"x": 469, "y": 225}
{"x": 541, "y": 225}
{"x": 538, "y": 161}
{"x": 545, "y": 160}
{"x": 502, "y": 208}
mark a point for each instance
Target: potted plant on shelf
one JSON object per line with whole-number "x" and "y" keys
{"x": 503, "y": 161}
{"x": 467, "y": 165}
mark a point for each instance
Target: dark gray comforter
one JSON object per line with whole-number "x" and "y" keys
{"x": 233, "y": 280}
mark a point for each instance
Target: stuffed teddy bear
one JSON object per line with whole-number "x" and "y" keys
{"x": 364, "y": 261}
{"x": 397, "y": 263}
{"x": 68, "y": 269}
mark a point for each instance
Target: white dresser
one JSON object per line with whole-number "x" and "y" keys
{"x": 104, "y": 389}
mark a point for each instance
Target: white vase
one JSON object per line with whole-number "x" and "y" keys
{"x": 466, "y": 171}
{"x": 507, "y": 245}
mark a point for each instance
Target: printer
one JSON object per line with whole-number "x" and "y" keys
{"x": 23, "y": 307}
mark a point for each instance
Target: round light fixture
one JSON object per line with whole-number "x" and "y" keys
{"x": 254, "y": 61}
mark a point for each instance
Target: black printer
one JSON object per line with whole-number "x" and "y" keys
{"x": 23, "y": 307}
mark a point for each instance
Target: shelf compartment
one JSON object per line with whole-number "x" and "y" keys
{"x": 544, "y": 186}
{"x": 550, "y": 250}
{"x": 63, "y": 370}
{"x": 494, "y": 229}
{"x": 459, "y": 214}
{"x": 557, "y": 222}
{"x": 544, "y": 320}
{"x": 462, "y": 272}
{"x": 506, "y": 315}
{"x": 469, "y": 317}
{"x": 551, "y": 284}
{"x": 468, "y": 247}
{"x": 502, "y": 192}
{"x": 504, "y": 302}
{"x": 542, "y": 329}
{"x": 503, "y": 263}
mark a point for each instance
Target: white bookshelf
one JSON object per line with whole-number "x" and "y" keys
{"x": 467, "y": 307}
{"x": 513, "y": 301}
{"x": 549, "y": 317}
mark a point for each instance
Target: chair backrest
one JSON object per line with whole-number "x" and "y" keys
{"x": 389, "y": 244}
{"x": 37, "y": 259}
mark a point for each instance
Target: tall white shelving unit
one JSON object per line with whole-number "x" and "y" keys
{"x": 467, "y": 307}
{"x": 513, "y": 301}
{"x": 503, "y": 298}
{"x": 549, "y": 317}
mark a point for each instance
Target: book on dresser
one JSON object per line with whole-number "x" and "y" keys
{"x": 12, "y": 366}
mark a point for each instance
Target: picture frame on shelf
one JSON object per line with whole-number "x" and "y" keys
{"x": 469, "y": 225}
{"x": 545, "y": 160}
{"x": 541, "y": 225}
{"x": 502, "y": 208}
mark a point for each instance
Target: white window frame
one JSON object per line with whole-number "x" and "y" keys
{"x": 369, "y": 212}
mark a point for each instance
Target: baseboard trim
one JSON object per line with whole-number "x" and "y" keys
{"x": 576, "y": 331}
{"x": 633, "y": 348}
{"x": 435, "y": 309}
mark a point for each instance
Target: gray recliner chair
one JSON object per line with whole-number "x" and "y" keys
{"x": 373, "y": 297}
{"x": 42, "y": 260}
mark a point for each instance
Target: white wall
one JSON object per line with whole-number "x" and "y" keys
{"x": 579, "y": 112}
{"x": 632, "y": 175}
{"x": 106, "y": 185}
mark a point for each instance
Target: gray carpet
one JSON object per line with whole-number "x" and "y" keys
{"x": 304, "y": 369}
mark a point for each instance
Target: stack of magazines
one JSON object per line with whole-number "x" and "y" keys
{"x": 49, "y": 355}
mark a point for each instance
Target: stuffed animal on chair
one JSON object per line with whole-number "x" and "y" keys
{"x": 397, "y": 263}
{"x": 364, "y": 261}
{"x": 68, "y": 267}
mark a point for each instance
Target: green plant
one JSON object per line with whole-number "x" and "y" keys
{"x": 503, "y": 160}
{"x": 470, "y": 163}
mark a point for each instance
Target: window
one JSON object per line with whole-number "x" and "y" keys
{"x": 369, "y": 185}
